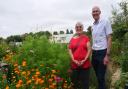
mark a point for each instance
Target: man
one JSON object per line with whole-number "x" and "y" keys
{"x": 101, "y": 36}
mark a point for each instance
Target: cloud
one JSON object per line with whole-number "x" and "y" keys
{"x": 20, "y": 16}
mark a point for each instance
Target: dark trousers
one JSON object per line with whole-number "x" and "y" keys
{"x": 80, "y": 78}
{"x": 99, "y": 67}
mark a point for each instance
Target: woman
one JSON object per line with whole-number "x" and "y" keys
{"x": 79, "y": 50}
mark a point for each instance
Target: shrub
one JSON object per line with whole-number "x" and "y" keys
{"x": 40, "y": 50}
{"x": 3, "y": 49}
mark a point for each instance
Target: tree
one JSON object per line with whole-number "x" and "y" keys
{"x": 55, "y": 33}
{"x": 48, "y": 34}
{"x": 15, "y": 38}
{"x": 67, "y": 31}
{"x": 1, "y": 39}
{"x": 89, "y": 31}
{"x": 61, "y": 32}
{"x": 71, "y": 31}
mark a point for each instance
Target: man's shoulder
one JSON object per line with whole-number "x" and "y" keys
{"x": 104, "y": 20}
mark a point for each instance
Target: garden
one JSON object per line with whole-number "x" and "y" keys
{"x": 40, "y": 64}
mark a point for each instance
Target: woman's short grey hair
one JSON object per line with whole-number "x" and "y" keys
{"x": 79, "y": 24}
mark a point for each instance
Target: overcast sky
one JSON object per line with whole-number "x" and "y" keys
{"x": 21, "y": 16}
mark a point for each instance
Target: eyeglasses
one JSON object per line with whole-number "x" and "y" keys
{"x": 95, "y": 11}
{"x": 78, "y": 27}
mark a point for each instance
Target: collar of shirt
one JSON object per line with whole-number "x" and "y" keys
{"x": 97, "y": 22}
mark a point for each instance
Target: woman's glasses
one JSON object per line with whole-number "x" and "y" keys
{"x": 78, "y": 27}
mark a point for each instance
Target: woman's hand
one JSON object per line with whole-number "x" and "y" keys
{"x": 82, "y": 62}
{"x": 76, "y": 62}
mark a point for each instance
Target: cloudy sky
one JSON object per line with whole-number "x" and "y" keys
{"x": 21, "y": 16}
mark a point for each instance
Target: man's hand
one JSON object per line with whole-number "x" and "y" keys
{"x": 106, "y": 60}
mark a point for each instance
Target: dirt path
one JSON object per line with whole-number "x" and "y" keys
{"x": 115, "y": 77}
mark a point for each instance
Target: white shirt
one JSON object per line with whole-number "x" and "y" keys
{"x": 100, "y": 31}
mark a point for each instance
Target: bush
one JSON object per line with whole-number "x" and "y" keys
{"x": 3, "y": 49}
{"x": 40, "y": 51}
{"x": 124, "y": 63}
{"x": 120, "y": 84}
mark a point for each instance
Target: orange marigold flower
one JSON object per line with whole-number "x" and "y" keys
{"x": 51, "y": 86}
{"x": 15, "y": 65}
{"x": 37, "y": 73}
{"x": 17, "y": 72}
{"x": 28, "y": 73}
{"x": 36, "y": 82}
{"x": 7, "y": 87}
{"x": 24, "y": 63}
{"x": 41, "y": 81}
{"x": 29, "y": 81}
{"x": 18, "y": 85}
{"x": 46, "y": 88}
{"x": 50, "y": 80}
{"x": 20, "y": 81}
{"x": 23, "y": 73}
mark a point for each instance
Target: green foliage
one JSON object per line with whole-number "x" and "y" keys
{"x": 40, "y": 51}
{"x": 120, "y": 21}
{"x": 15, "y": 38}
{"x": 120, "y": 84}
{"x": 124, "y": 63}
{"x": 89, "y": 31}
{"x": 42, "y": 33}
{"x": 61, "y": 32}
{"x": 3, "y": 48}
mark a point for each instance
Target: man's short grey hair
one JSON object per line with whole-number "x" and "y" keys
{"x": 96, "y": 7}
